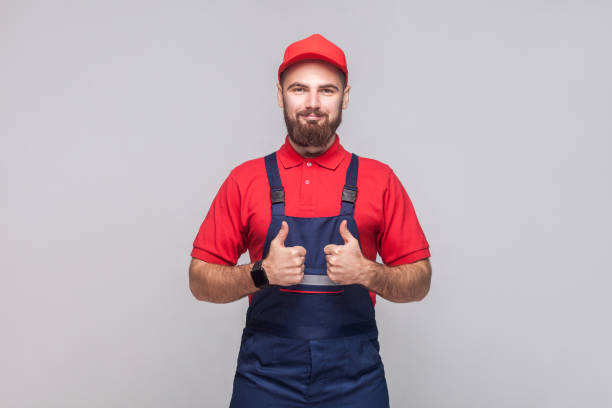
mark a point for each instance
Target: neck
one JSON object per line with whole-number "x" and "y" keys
{"x": 312, "y": 151}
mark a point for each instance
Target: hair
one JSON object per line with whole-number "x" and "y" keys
{"x": 340, "y": 74}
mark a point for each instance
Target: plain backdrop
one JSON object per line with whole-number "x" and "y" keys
{"x": 119, "y": 120}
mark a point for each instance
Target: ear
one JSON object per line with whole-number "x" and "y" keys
{"x": 345, "y": 97}
{"x": 279, "y": 94}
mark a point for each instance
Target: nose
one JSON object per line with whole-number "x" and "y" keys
{"x": 312, "y": 100}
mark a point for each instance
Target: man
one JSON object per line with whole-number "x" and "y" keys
{"x": 313, "y": 218}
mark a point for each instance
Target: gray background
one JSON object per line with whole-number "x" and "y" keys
{"x": 119, "y": 121}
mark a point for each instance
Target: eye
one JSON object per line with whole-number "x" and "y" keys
{"x": 328, "y": 91}
{"x": 298, "y": 89}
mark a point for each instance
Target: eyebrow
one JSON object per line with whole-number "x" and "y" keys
{"x": 306, "y": 86}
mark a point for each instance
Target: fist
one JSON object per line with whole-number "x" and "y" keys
{"x": 346, "y": 264}
{"x": 284, "y": 265}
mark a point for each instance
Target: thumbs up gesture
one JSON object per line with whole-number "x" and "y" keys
{"x": 284, "y": 266}
{"x": 346, "y": 264}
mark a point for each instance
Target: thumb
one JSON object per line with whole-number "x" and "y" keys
{"x": 282, "y": 233}
{"x": 345, "y": 233}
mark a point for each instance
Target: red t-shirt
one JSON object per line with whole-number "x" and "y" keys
{"x": 239, "y": 215}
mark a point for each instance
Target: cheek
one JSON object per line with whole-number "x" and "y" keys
{"x": 293, "y": 105}
{"x": 332, "y": 107}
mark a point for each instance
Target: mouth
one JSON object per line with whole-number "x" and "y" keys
{"x": 312, "y": 117}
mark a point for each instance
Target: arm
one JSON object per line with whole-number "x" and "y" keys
{"x": 400, "y": 236}
{"x": 215, "y": 283}
{"x": 401, "y": 283}
{"x": 217, "y": 247}
{"x": 220, "y": 283}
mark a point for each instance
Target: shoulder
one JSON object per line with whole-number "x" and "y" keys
{"x": 248, "y": 174}
{"x": 372, "y": 169}
{"x": 373, "y": 179}
{"x": 248, "y": 168}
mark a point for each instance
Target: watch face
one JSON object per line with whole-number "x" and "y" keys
{"x": 259, "y": 275}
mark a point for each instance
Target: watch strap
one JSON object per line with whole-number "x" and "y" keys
{"x": 258, "y": 274}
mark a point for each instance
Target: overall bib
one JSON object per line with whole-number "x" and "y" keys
{"x": 313, "y": 344}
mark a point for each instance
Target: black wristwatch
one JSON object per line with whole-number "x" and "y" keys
{"x": 258, "y": 274}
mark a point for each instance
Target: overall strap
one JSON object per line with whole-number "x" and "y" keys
{"x": 277, "y": 192}
{"x": 349, "y": 193}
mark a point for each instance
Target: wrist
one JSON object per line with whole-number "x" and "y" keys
{"x": 265, "y": 264}
{"x": 371, "y": 270}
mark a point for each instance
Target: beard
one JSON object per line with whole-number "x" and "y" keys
{"x": 312, "y": 133}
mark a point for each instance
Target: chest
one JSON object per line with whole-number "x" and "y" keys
{"x": 312, "y": 192}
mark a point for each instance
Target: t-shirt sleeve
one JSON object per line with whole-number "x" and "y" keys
{"x": 220, "y": 239}
{"x": 401, "y": 240}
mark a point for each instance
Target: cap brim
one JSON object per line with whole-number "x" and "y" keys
{"x": 309, "y": 56}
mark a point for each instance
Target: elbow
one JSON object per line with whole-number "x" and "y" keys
{"x": 198, "y": 290}
{"x": 197, "y": 284}
{"x": 425, "y": 282}
{"x": 422, "y": 295}
{"x": 195, "y": 287}
{"x": 196, "y": 294}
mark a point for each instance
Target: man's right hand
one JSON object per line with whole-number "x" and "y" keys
{"x": 284, "y": 266}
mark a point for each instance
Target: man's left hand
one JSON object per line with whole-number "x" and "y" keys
{"x": 346, "y": 264}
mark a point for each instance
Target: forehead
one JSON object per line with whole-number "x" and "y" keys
{"x": 312, "y": 72}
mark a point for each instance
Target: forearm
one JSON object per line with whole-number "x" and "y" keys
{"x": 220, "y": 283}
{"x": 402, "y": 283}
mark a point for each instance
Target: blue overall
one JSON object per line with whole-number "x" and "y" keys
{"x": 314, "y": 344}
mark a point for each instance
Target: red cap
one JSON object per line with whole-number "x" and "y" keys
{"x": 314, "y": 47}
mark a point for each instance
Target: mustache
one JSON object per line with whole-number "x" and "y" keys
{"x": 307, "y": 112}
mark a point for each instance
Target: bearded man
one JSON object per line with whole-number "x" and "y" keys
{"x": 313, "y": 218}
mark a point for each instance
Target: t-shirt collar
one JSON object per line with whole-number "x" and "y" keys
{"x": 330, "y": 159}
